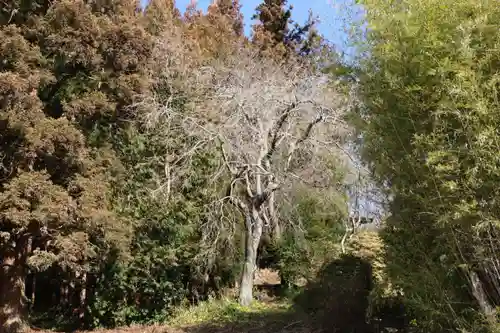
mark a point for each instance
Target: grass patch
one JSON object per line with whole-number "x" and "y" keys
{"x": 227, "y": 315}
{"x": 227, "y": 311}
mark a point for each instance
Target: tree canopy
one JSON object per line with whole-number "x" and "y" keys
{"x": 154, "y": 161}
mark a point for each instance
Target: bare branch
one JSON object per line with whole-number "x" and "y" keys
{"x": 248, "y": 184}
{"x": 225, "y": 159}
{"x": 270, "y": 122}
{"x": 275, "y": 134}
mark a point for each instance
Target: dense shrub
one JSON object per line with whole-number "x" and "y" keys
{"x": 430, "y": 117}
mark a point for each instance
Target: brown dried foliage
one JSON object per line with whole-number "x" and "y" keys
{"x": 66, "y": 66}
{"x": 215, "y": 34}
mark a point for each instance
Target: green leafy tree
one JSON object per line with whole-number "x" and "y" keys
{"x": 430, "y": 112}
{"x": 319, "y": 215}
{"x": 165, "y": 268}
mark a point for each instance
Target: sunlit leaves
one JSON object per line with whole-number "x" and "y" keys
{"x": 431, "y": 104}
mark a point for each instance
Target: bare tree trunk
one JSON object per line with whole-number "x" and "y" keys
{"x": 480, "y": 295}
{"x": 275, "y": 225}
{"x": 12, "y": 299}
{"x": 253, "y": 234}
{"x": 349, "y": 231}
{"x": 246, "y": 288}
{"x": 64, "y": 292}
{"x": 82, "y": 297}
{"x": 33, "y": 289}
{"x": 71, "y": 290}
{"x": 31, "y": 298}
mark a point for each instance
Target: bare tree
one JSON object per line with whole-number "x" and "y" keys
{"x": 272, "y": 124}
{"x": 367, "y": 201}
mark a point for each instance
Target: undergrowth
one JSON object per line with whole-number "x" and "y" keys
{"x": 228, "y": 311}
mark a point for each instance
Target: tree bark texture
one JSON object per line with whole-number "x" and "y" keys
{"x": 254, "y": 225}
{"x": 480, "y": 295}
{"x": 12, "y": 279}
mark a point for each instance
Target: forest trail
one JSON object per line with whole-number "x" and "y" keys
{"x": 265, "y": 320}
{"x": 270, "y": 313}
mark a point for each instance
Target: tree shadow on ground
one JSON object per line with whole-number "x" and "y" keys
{"x": 336, "y": 302}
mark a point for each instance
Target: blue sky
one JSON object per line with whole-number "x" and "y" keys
{"x": 331, "y": 16}
{"x": 300, "y": 8}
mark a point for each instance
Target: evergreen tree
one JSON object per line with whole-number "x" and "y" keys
{"x": 214, "y": 34}
{"x": 274, "y": 20}
{"x": 229, "y": 10}
{"x": 160, "y": 15}
{"x": 68, "y": 71}
{"x": 277, "y": 33}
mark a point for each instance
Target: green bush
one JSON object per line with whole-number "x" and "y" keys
{"x": 317, "y": 217}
